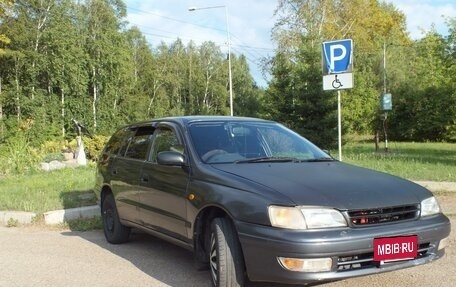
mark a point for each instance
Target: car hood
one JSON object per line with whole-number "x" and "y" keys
{"x": 333, "y": 184}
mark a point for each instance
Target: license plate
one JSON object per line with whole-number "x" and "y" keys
{"x": 395, "y": 248}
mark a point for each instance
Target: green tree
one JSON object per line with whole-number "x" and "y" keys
{"x": 296, "y": 99}
{"x": 4, "y": 8}
{"x": 248, "y": 94}
{"x": 76, "y": 59}
{"x": 214, "y": 91}
{"x": 139, "y": 102}
{"x": 25, "y": 67}
{"x": 65, "y": 64}
{"x": 451, "y": 62}
{"x": 105, "y": 46}
{"x": 301, "y": 28}
{"x": 425, "y": 102}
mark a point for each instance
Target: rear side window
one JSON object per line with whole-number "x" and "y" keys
{"x": 118, "y": 140}
{"x": 139, "y": 143}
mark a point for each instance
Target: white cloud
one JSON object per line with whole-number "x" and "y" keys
{"x": 421, "y": 15}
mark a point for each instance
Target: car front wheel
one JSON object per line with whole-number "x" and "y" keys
{"x": 225, "y": 256}
{"x": 114, "y": 231}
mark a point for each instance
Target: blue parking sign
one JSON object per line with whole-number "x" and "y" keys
{"x": 337, "y": 56}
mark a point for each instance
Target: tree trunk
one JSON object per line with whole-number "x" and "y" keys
{"x": 41, "y": 23}
{"x": 1, "y": 110}
{"x": 18, "y": 105}
{"x": 155, "y": 89}
{"x": 63, "y": 112}
{"x": 94, "y": 105}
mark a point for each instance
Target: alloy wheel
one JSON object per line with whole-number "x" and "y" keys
{"x": 213, "y": 259}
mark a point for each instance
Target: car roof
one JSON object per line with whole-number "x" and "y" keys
{"x": 185, "y": 120}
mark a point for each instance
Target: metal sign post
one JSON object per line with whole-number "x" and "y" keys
{"x": 338, "y": 74}
{"x": 339, "y": 125}
{"x": 387, "y": 104}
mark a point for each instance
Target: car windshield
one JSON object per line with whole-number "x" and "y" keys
{"x": 251, "y": 142}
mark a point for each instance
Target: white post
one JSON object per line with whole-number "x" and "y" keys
{"x": 230, "y": 81}
{"x": 339, "y": 125}
{"x": 229, "y": 62}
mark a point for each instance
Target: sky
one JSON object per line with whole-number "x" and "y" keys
{"x": 250, "y": 23}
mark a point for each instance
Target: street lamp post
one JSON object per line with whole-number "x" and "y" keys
{"x": 230, "y": 81}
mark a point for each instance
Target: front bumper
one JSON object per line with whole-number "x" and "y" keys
{"x": 351, "y": 249}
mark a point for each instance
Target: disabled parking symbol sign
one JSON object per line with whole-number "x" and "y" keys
{"x": 337, "y": 64}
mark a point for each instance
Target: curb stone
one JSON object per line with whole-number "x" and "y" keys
{"x": 62, "y": 215}
{"x": 51, "y": 217}
{"x": 20, "y": 216}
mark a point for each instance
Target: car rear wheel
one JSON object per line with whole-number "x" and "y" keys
{"x": 114, "y": 231}
{"x": 225, "y": 255}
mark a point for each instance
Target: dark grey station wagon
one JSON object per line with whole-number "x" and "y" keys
{"x": 255, "y": 201}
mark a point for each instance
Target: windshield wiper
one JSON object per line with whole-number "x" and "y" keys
{"x": 267, "y": 159}
{"x": 320, "y": 159}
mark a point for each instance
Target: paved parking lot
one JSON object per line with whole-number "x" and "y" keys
{"x": 42, "y": 256}
{"x": 33, "y": 256}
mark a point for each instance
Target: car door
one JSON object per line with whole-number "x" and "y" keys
{"x": 164, "y": 188}
{"x": 125, "y": 171}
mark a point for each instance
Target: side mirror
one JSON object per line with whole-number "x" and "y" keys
{"x": 171, "y": 158}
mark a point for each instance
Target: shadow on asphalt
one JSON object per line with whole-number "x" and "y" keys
{"x": 163, "y": 261}
{"x": 157, "y": 258}
{"x": 173, "y": 265}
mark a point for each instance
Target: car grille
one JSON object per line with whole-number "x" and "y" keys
{"x": 373, "y": 216}
{"x": 366, "y": 260}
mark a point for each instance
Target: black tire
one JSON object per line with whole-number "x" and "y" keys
{"x": 225, "y": 256}
{"x": 114, "y": 231}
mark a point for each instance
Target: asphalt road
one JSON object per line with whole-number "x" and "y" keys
{"x": 36, "y": 256}
{"x": 31, "y": 256}
{"x": 40, "y": 256}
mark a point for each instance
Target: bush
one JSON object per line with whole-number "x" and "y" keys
{"x": 94, "y": 146}
{"x": 16, "y": 156}
{"x": 427, "y": 115}
{"x": 49, "y": 147}
{"x": 53, "y": 156}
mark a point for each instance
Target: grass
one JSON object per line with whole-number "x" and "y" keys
{"x": 40, "y": 192}
{"x": 415, "y": 161}
{"x": 12, "y": 223}
{"x": 83, "y": 224}
{"x": 44, "y": 191}
{"x": 80, "y": 224}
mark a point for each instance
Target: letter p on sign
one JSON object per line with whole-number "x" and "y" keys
{"x": 337, "y": 57}
{"x": 338, "y": 53}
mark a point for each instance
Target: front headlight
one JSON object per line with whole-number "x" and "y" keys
{"x": 303, "y": 217}
{"x": 429, "y": 206}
